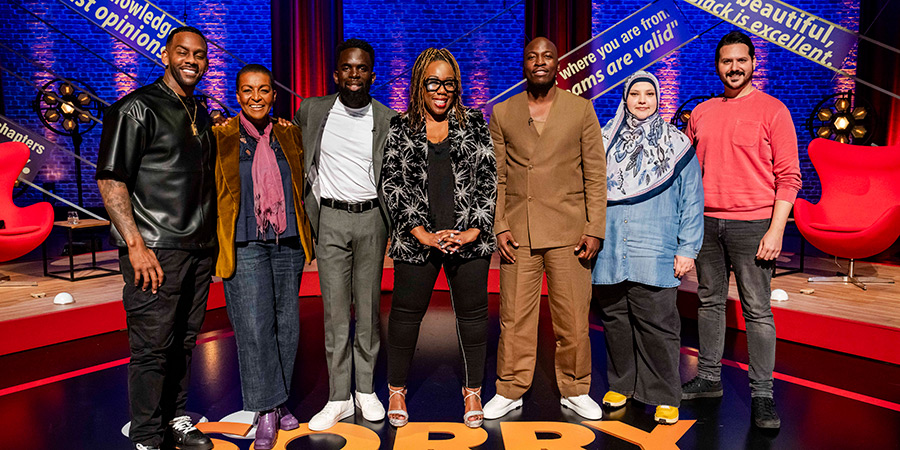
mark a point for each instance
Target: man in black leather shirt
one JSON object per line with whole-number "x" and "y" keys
{"x": 155, "y": 173}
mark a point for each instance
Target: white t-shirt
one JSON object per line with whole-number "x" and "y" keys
{"x": 345, "y": 167}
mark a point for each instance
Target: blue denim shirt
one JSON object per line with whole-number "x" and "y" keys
{"x": 642, "y": 239}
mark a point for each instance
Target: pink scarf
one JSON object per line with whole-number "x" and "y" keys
{"x": 268, "y": 193}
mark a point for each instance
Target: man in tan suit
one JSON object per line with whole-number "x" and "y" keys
{"x": 551, "y": 217}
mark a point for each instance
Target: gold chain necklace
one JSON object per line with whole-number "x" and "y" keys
{"x": 193, "y": 124}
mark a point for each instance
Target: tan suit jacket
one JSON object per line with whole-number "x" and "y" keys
{"x": 228, "y": 186}
{"x": 551, "y": 188}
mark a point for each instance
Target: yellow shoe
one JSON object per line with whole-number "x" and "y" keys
{"x": 666, "y": 415}
{"x": 614, "y": 399}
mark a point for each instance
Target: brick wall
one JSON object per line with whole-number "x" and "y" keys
{"x": 240, "y": 26}
{"x": 488, "y": 36}
{"x": 690, "y": 71}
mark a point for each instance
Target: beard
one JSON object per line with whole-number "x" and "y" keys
{"x": 358, "y": 98}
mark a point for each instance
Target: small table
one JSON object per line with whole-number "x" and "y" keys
{"x": 71, "y": 227}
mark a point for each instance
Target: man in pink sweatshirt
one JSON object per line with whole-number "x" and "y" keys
{"x": 747, "y": 147}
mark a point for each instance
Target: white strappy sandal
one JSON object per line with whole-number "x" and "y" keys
{"x": 477, "y": 412}
{"x": 400, "y": 412}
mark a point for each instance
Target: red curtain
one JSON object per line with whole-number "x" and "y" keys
{"x": 565, "y": 22}
{"x": 880, "y": 66}
{"x": 304, "y": 36}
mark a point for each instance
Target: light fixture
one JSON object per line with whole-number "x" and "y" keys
{"x": 69, "y": 108}
{"x": 843, "y": 118}
{"x": 683, "y": 115}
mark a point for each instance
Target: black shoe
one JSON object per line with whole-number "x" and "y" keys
{"x": 764, "y": 414}
{"x": 701, "y": 388}
{"x": 185, "y": 436}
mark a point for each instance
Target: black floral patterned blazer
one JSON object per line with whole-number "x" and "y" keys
{"x": 405, "y": 184}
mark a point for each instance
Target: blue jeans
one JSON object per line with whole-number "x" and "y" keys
{"x": 734, "y": 243}
{"x": 263, "y": 306}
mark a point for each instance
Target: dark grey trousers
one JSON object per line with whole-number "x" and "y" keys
{"x": 350, "y": 254}
{"x": 642, "y": 331}
{"x": 734, "y": 243}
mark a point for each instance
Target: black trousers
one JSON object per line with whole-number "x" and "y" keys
{"x": 162, "y": 333}
{"x": 643, "y": 337}
{"x": 413, "y": 286}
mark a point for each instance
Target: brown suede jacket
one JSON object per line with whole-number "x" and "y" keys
{"x": 228, "y": 188}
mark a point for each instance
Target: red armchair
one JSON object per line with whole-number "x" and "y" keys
{"x": 859, "y": 213}
{"x": 25, "y": 228}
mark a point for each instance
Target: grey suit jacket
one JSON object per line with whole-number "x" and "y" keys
{"x": 311, "y": 119}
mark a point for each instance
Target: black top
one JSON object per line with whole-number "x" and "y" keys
{"x": 148, "y": 144}
{"x": 245, "y": 229}
{"x": 440, "y": 186}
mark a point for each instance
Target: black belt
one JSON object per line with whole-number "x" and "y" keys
{"x": 350, "y": 207}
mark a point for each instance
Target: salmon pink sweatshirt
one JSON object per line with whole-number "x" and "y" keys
{"x": 747, "y": 148}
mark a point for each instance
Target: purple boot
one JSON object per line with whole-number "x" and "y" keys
{"x": 288, "y": 421}
{"x": 266, "y": 431}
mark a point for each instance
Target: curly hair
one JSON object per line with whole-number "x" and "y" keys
{"x": 415, "y": 109}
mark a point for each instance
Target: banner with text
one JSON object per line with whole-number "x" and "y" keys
{"x": 10, "y": 131}
{"x": 603, "y": 62}
{"x": 138, "y": 23}
{"x": 785, "y": 26}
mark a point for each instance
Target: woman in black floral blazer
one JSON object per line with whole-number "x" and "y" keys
{"x": 440, "y": 186}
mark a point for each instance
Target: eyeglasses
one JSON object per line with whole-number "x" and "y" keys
{"x": 433, "y": 84}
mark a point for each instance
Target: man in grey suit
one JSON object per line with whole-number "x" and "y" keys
{"x": 343, "y": 141}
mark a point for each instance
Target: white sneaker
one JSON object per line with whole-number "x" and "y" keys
{"x": 500, "y": 406}
{"x": 331, "y": 414}
{"x": 372, "y": 409}
{"x": 584, "y": 405}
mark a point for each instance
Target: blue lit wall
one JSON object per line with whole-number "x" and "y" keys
{"x": 489, "y": 37}
{"x": 242, "y": 27}
{"x": 690, "y": 71}
{"x": 485, "y": 37}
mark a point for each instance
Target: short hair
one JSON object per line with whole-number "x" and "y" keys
{"x": 735, "y": 37}
{"x": 252, "y": 68}
{"x": 185, "y": 29}
{"x": 356, "y": 43}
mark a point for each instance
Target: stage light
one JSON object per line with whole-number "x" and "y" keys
{"x": 51, "y": 115}
{"x": 841, "y": 123}
{"x": 683, "y": 113}
{"x": 69, "y": 124}
{"x": 842, "y": 117}
{"x": 70, "y": 109}
{"x": 842, "y": 104}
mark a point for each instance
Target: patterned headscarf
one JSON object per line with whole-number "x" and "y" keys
{"x": 643, "y": 157}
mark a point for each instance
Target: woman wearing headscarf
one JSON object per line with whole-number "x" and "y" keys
{"x": 264, "y": 242}
{"x": 654, "y": 229}
{"x": 440, "y": 186}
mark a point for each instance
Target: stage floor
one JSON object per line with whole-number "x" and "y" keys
{"x": 73, "y": 395}
{"x": 826, "y": 399}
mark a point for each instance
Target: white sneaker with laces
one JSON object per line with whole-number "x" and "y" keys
{"x": 144, "y": 447}
{"x": 584, "y": 405}
{"x": 500, "y": 406}
{"x": 331, "y": 414}
{"x": 371, "y": 407}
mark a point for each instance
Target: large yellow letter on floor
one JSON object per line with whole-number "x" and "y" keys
{"x": 415, "y": 436}
{"x": 523, "y": 436}
{"x": 663, "y": 437}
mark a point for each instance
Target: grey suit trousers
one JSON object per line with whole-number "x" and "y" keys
{"x": 350, "y": 253}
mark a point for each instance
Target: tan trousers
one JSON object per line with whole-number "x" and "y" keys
{"x": 569, "y": 286}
